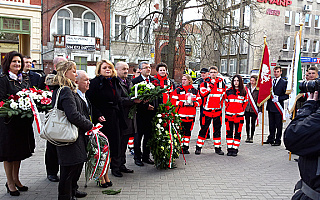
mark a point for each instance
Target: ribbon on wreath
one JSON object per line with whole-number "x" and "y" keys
{"x": 95, "y": 132}
{"x": 171, "y": 146}
{"x": 185, "y": 162}
{"x": 36, "y": 115}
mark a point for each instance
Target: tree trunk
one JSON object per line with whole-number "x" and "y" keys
{"x": 172, "y": 38}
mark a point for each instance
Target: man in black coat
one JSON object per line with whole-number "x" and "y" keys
{"x": 302, "y": 137}
{"x": 279, "y": 87}
{"x": 125, "y": 84}
{"x": 145, "y": 113}
{"x": 33, "y": 76}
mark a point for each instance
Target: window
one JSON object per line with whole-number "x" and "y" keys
{"x": 286, "y": 43}
{"x": 224, "y": 66}
{"x": 89, "y": 26}
{"x": 63, "y": 22}
{"x": 188, "y": 50}
{"x": 233, "y": 44}
{"x": 226, "y": 19}
{"x": 237, "y": 2}
{"x": 244, "y": 44}
{"x": 15, "y": 25}
{"x": 236, "y": 17}
{"x": 81, "y": 63}
{"x": 120, "y": 27}
{"x": 287, "y": 18}
{"x": 225, "y": 46}
{"x": 316, "y": 21}
{"x": 315, "y": 46}
{"x": 306, "y": 44}
{"x": 144, "y": 30}
{"x": 119, "y": 60}
{"x": 297, "y": 19}
{"x": 246, "y": 17}
{"x": 307, "y": 21}
{"x": 232, "y": 66}
{"x": 243, "y": 66}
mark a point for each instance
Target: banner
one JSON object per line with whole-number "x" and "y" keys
{"x": 264, "y": 79}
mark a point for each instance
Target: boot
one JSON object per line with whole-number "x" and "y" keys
{"x": 198, "y": 150}
{"x": 251, "y": 140}
{"x": 235, "y": 152}
{"x": 248, "y": 139}
{"x": 230, "y": 151}
{"x": 185, "y": 150}
{"x": 219, "y": 151}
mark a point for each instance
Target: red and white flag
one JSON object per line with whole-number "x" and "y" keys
{"x": 264, "y": 80}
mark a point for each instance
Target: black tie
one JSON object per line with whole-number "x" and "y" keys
{"x": 274, "y": 82}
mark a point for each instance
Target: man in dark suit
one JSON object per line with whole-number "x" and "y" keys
{"x": 118, "y": 165}
{"x": 279, "y": 87}
{"x": 145, "y": 113}
{"x": 33, "y": 76}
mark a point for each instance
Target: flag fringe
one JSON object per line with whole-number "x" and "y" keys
{"x": 295, "y": 101}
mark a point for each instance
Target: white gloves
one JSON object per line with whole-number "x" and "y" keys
{"x": 275, "y": 98}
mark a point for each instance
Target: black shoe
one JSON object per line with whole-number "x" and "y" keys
{"x": 148, "y": 161}
{"x": 22, "y": 189}
{"x": 251, "y": 140}
{"x": 219, "y": 151}
{"x": 230, "y": 152}
{"x": 74, "y": 198}
{"x": 53, "y": 178}
{"x": 138, "y": 162}
{"x": 186, "y": 151}
{"x": 247, "y": 140}
{"x": 198, "y": 151}
{"x": 125, "y": 170}
{"x": 104, "y": 185}
{"x": 12, "y": 193}
{"x": 268, "y": 142}
{"x": 276, "y": 144}
{"x": 234, "y": 154}
{"x": 80, "y": 194}
{"x": 116, "y": 173}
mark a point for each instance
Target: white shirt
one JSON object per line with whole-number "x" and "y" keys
{"x": 277, "y": 80}
{"x": 83, "y": 96}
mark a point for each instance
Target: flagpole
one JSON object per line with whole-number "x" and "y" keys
{"x": 262, "y": 133}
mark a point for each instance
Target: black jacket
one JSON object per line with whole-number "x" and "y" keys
{"x": 34, "y": 78}
{"x": 71, "y": 104}
{"x": 104, "y": 97}
{"x": 302, "y": 137}
{"x": 87, "y": 112}
{"x": 279, "y": 90}
{"x": 254, "y": 94}
{"x": 16, "y": 134}
{"x": 127, "y": 103}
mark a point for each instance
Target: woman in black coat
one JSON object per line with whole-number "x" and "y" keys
{"x": 70, "y": 157}
{"x": 16, "y": 135}
{"x": 106, "y": 109}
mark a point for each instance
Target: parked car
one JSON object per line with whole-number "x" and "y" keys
{"x": 246, "y": 78}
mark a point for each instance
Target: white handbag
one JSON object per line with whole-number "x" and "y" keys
{"x": 56, "y": 128}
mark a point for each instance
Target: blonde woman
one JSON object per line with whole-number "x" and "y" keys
{"x": 107, "y": 111}
{"x": 70, "y": 157}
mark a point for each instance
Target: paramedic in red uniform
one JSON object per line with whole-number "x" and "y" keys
{"x": 186, "y": 98}
{"x": 236, "y": 102}
{"x": 212, "y": 90}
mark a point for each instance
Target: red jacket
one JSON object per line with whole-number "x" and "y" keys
{"x": 213, "y": 96}
{"x": 181, "y": 95}
{"x": 235, "y": 103}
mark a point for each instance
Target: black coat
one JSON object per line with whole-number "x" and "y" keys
{"x": 302, "y": 137}
{"x": 34, "y": 78}
{"x": 105, "y": 102}
{"x": 127, "y": 103}
{"x": 145, "y": 116}
{"x": 16, "y": 135}
{"x": 279, "y": 90}
{"x": 87, "y": 112}
{"x": 254, "y": 94}
{"x": 71, "y": 104}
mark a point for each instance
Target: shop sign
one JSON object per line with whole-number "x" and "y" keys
{"x": 273, "y": 12}
{"x": 284, "y": 3}
{"x": 309, "y": 60}
{"x": 80, "y": 43}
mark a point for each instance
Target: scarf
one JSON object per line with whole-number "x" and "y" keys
{"x": 15, "y": 77}
{"x": 187, "y": 88}
{"x": 161, "y": 79}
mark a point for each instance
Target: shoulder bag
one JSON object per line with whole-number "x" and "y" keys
{"x": 56, "y": 128}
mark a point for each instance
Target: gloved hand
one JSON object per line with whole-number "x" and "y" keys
{"x": 275, "y": 98}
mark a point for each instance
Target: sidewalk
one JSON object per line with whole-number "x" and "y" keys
{"x": 258, "y": 172}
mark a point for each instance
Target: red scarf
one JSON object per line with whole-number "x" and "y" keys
{"x": 161, "y": 79}
{"x": 186, "y": 88}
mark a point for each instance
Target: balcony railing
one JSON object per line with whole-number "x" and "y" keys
{"x": 59, "y": 41}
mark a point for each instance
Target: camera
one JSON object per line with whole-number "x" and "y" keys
{"x": 309, "y": 86}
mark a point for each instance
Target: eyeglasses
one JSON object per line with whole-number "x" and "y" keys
{"x": 146, "y": 68}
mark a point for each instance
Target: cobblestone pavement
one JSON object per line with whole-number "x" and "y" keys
{"x": 258, "y": 172}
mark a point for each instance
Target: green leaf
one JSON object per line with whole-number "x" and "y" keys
{"x": 111, "y": 192}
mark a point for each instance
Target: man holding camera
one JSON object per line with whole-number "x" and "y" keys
{"x": 275, "y": 107}
{"x": 302, "y": 137}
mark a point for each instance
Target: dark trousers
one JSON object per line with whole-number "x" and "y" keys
{"x": 119, "y": 162}
{"x": 51, "y": 159}
{"x": 201, "y": 117}
{"x": 275, "y": 125}
{"x": 69, "y": 176}
{"x": 250, "y": 117}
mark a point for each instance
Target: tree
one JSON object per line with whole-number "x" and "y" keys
{"x": 217, "y": 16}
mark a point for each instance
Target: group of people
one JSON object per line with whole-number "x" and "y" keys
{"x": 105, "y": 99}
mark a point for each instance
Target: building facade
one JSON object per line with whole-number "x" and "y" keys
{"x": 239, "y": 53}
{"x": 20, "y": 27}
